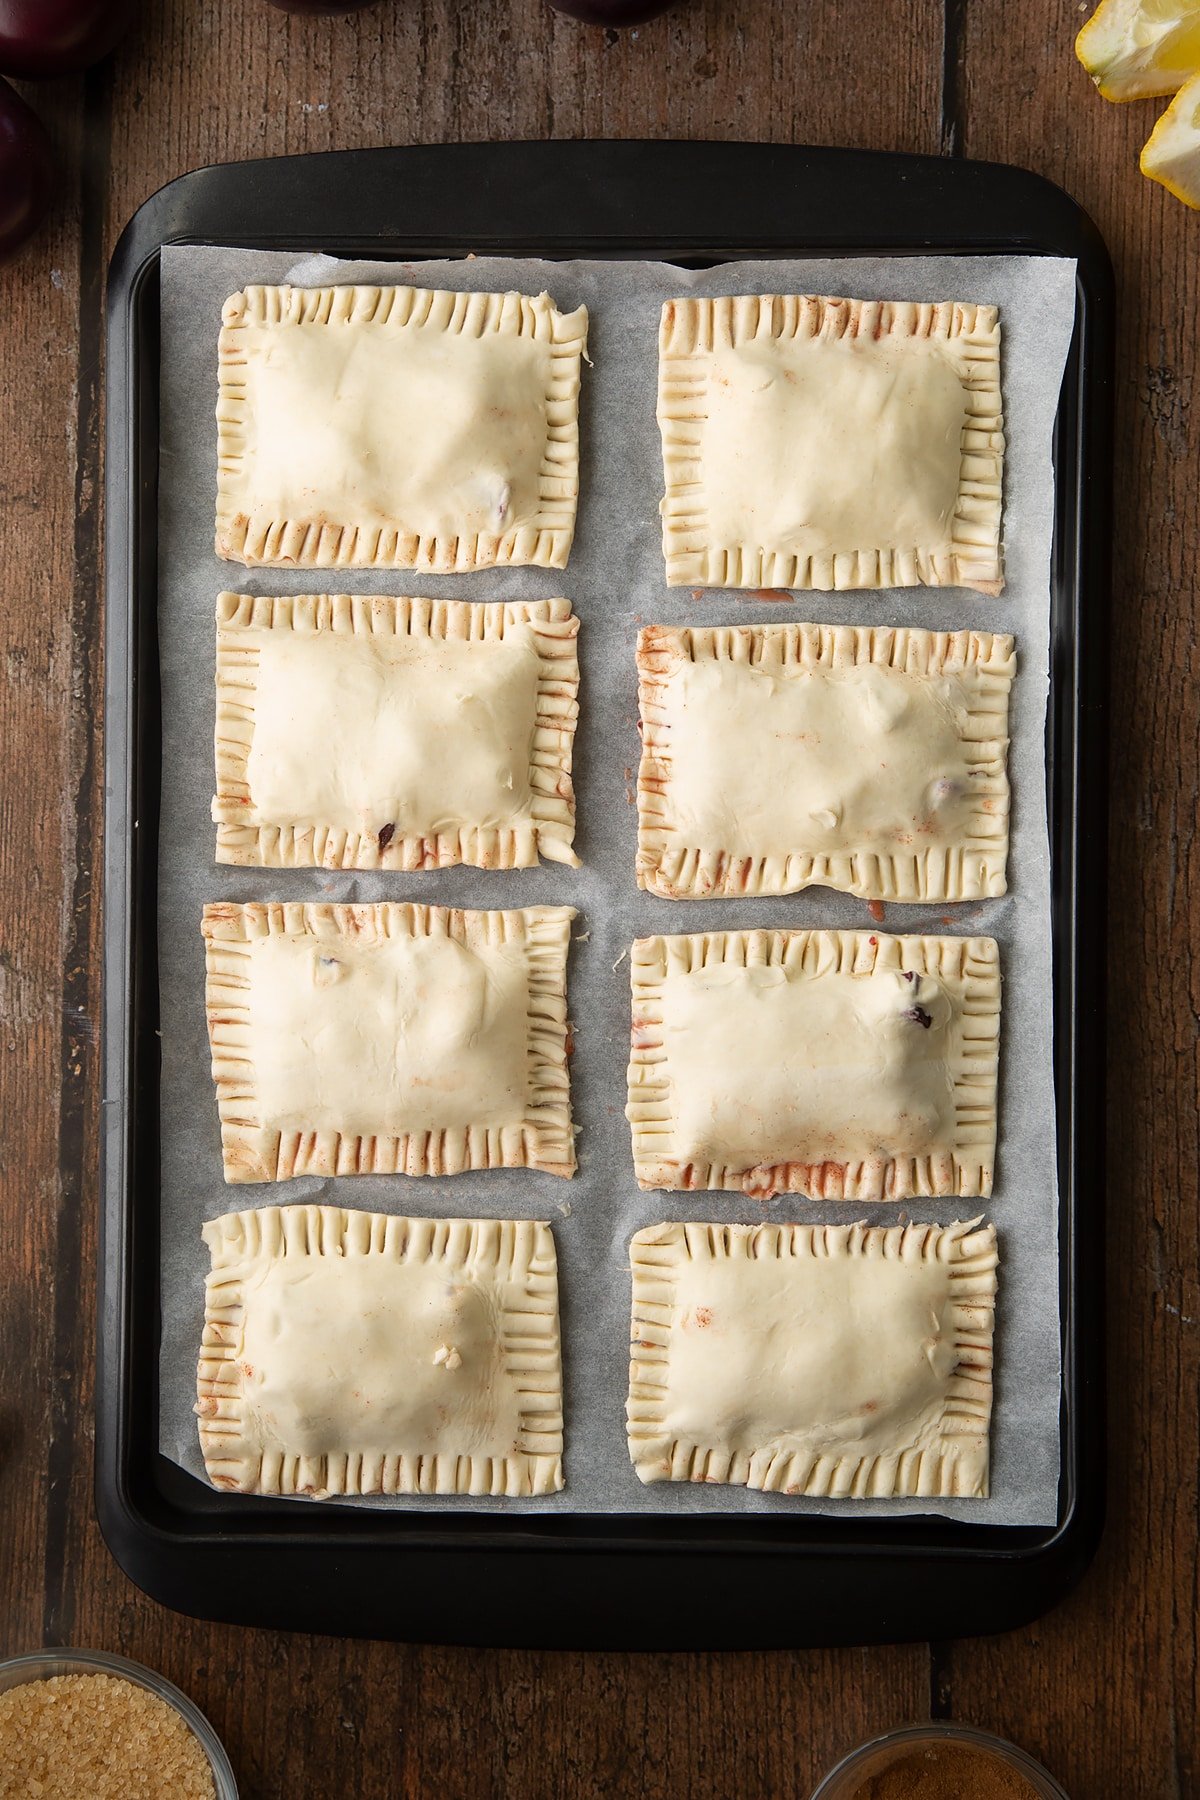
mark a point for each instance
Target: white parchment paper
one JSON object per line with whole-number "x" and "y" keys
{"x": 616, "y": 582}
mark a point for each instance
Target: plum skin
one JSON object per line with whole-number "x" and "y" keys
{"x": 43, "y": 38}
{"x": 322, "y": 6}
{"x": 616, "y": 13}
{"x": 26, "y": 171}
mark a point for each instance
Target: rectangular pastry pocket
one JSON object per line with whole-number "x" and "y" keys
{"x": 813, "y": 442}
{"x": 845, "y": 1065}
{"x": 388, "y": 1039}
{"x": 871, "y": 759}
{"x": 845, "y": 1362}
{"x": 363, "y": 732}
{"x": 350, "y": 1353}
{"x": 397, "y": 427}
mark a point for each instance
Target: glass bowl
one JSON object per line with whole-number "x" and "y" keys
{"x": 40, "y": 1664}
{"x": 872, "y": 1758}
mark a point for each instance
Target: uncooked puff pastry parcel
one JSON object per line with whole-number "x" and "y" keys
{"x": 847, "y": 1065}
{"x": 865, "y": 758}
{"x": 358, "y": 732}
{"x": 846, "y": 1362}
{"x": 811, "y": 442}
{"x": 354, "y": 1353}
{"x": 397, "y": 427}
{"x": 388, "y": 1039}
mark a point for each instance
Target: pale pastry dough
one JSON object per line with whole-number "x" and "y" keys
{"x": 397, "y": 427}
{"x": 865, "y": 758}
{"x": 811, "y": 442}
{"x": 388, "y": 1039}
{"x": 358, "y": 732}
{"x": 355, "y": 1353}
{"x": 840, "y": 1064}
{"x": 847, "y": 1362}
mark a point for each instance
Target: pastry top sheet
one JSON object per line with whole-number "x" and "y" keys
{"x": 814, "y": 1359}
{"x": 397, "y": 427}
{"x": 813, "y": 442}
{"x": 363, "y": 732}
{"x": 388, "y": 1038}
{"x": 866, "y": 758}
{"x": 840, "y": 1064}
{"x": 357, "y": 1353}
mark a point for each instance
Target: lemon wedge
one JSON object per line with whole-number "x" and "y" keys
{"x": 1172, "y": 152}
{"x": 1133, "y": 49}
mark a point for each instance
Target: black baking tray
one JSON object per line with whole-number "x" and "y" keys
{"x": 728, "y": 1581}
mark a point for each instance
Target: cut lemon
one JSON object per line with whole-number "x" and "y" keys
{"x": 1133, "y": 49}
{"x": 1172, "y": 152}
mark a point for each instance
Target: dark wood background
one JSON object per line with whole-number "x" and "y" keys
{"x": 1104, "y": 1689}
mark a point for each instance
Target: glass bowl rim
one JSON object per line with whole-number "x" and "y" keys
{"x": 41, "y": 1665}
{"x": 943, "y": 1731}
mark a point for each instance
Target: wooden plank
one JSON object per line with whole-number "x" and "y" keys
{"x": 243, "y": 81}
{"x": 206, "y": 84}
{"x": 38, "y": 428}
{"x": 218, "y": 84}
{"x": 1106, "y": 1688}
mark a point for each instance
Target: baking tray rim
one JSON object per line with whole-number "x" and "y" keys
{"x": 165, "y": 1526}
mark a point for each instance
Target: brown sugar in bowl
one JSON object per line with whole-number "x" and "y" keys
{"x": 938, "y": 1762}
{"x": 76, "y": 1722}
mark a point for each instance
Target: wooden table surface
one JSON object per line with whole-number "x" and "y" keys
{"x": 1105, "y": 1688}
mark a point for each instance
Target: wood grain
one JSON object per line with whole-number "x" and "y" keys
{"x": 1105, "y": 1689}
{"x": 201, "y": 86}
{"x": 1118, "y": 1663}
{"x": 38, "y": 441}
{"x": 208, "y": 84}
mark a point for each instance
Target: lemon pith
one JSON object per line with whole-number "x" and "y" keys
{"x": 1134, "y": 49}
{"x": 1172, "y": 151}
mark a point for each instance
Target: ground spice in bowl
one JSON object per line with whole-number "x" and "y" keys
{"x": 945, "y": 1772}
{"x": 66, "y": 1736}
